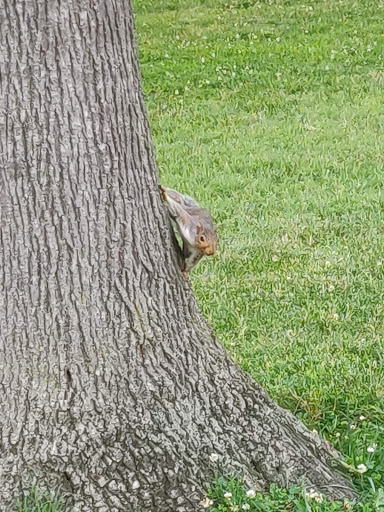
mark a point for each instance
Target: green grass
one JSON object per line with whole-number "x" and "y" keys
{"x": 38, "y": 501}
{"x": 231, "y": 495}
{"x": 271, "y": 114}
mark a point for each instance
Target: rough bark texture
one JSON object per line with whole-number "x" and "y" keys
{"x": 112, "y": 385}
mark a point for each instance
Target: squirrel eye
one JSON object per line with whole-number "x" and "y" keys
{"x": 202, "y": 239}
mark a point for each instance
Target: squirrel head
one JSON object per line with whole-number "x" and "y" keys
{"x": 206, "y": 240}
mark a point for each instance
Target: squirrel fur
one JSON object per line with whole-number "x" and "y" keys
{"x": 195, "y": 226}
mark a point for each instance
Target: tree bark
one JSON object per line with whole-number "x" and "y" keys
{"x": 112, "y": 385}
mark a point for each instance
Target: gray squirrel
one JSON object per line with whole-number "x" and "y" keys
{"x": 195, "y": 226}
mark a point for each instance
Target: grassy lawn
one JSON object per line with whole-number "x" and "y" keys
{"x": 271, "y": 114}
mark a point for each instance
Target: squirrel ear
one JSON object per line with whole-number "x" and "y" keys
{"x": 199, "y": 227}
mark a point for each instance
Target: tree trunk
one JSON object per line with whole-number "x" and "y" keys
{"x": 112, "y": 385}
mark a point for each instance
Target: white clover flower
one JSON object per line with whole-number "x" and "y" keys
{"x": 352, "y": 427}
{"x": 337, "y": 434}
{"x": 213, "y": 457}
{"x": 246, "y": 507}
{"x": 371, "y": 449}
{"x": 234, "y": 508}
{"x": 362, "y": 418}
{"x": 206, "y": 503}
{"x": 228, "y": 495}
{"x": 251, "y": 493}
{"x": 314, "y": 495}
{"x": 315, "y": 431}
{"x": 331, "y": 288}
{"x": 362, "y": 468}
{"x": 275, "y": 257}
{"x": 202, "y": 59}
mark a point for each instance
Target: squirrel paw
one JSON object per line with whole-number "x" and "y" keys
{"x": 184, "y": 273}
{"x": 163, "y": 192}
